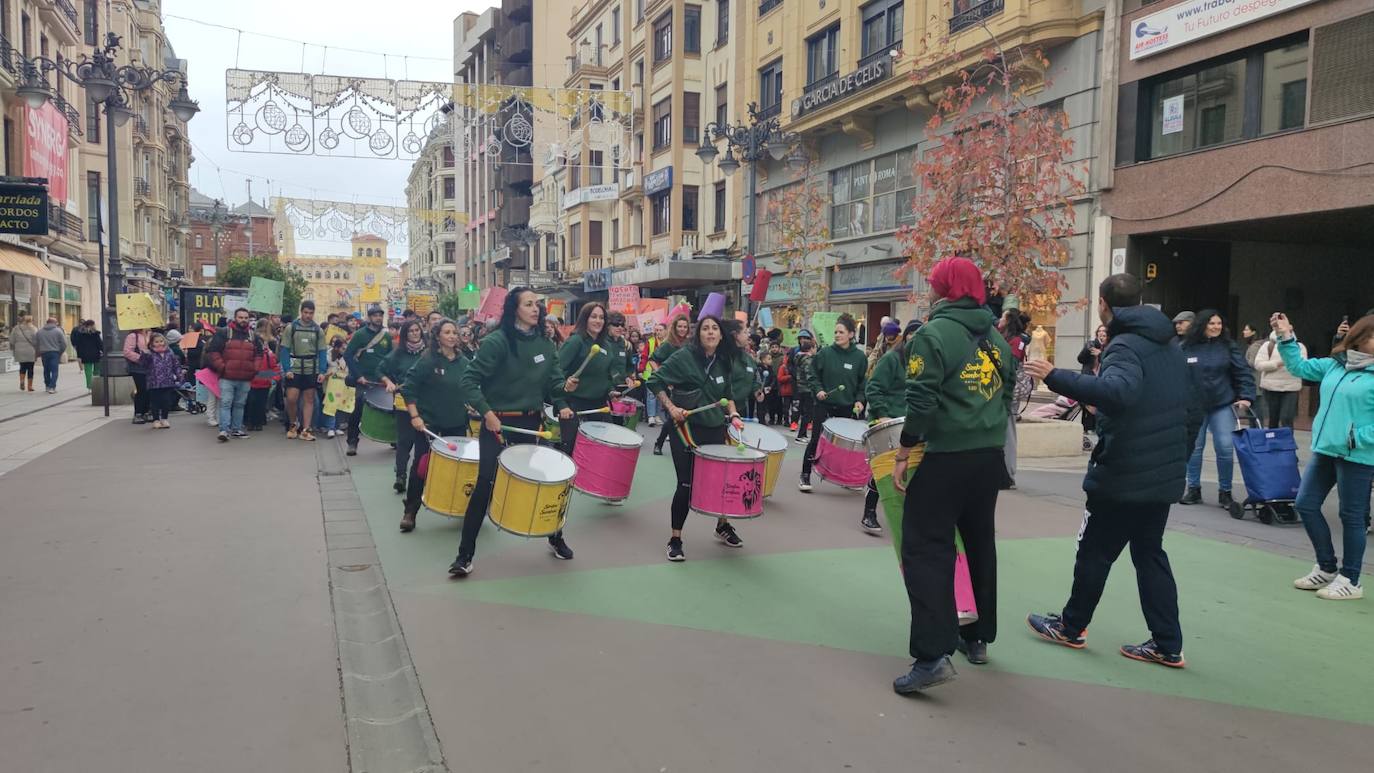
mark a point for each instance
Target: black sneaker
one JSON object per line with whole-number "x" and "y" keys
{"x": 140, "y": 419}
{"x": 1192, "y": 496}
{"x": 658, "y": 450}
{"x": 238, "y": 433}
{"x": 975, "y": 651}
{"x": 725, "y": 534}
{"x": 399, "y": 485}
{"x": 1149, "y": 652}
{"x": 461, "y": 567}
{"x": 869, "y": 523}
{"x": 804, "y": 485}
{"x": 924, "y": 674}
{"x": 559, "y": 548}
{"x": 1224, "y": 500}
{"x": 352, "y": 450}
{"x": 675, "y": 550}
{"x": 222, "y": 437}
{"x": 1051, "y": 628}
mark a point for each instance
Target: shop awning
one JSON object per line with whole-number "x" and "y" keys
{"x": 17, "y": 261}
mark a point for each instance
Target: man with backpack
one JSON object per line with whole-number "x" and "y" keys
{"x": 366, "y": 349}
{"x": 303, "y": 358}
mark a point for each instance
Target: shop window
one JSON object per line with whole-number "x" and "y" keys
{"x": 662, "y": 204}
{"x": 873, "y": 196}
{"x": 690, "y": 203}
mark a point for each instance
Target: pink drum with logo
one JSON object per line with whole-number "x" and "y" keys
{"x": 606, "y": 455}
{"x": 727, "y": 482}
{"x": 841, "y": 457}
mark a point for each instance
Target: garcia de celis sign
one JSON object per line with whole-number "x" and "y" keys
{"x": 842, "y": 87}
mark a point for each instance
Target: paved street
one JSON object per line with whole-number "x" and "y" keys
{"x": 176, "y": 614}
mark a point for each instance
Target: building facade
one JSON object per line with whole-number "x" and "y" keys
{"x": 217, "y": 236}
{"x": 352, "y": 283}
{"x": 432, "y": 197}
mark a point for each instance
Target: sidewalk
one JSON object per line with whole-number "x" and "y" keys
{"x": 71, "y": 384}
{"x": 34, "y": 423}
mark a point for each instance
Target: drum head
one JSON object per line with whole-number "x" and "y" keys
{"x": 379, "y": 398}
{"x": 468, "y": 450}
{"x": 549, "y": 414}
{"x": 611, "y": 434}
{"x": 729, "y": 453}
{"x": 538, "y": 463}
{"x": 762, "y": 438}
{"x": 849, "y": 429}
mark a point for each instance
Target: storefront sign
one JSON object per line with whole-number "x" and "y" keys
{"x": 202, "y": 304}
{"x": 1197, "y": 19}
{"x": 45, "y": 154}
{"x": 658, "y": 180}
{"x": 782, "y": 289}
{"x": 23, "y": 209}
{"x": 596, "y": 281}
{"x": 870, "y": 74}
{"x": 590, "y": 193}
{"x": 869, "y": 278}
{"x": 1173, "y": 115}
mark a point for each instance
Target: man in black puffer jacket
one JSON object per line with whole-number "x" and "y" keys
{"x": 1141, "y": 394}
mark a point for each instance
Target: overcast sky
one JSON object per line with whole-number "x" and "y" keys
{"x": 406, "y": 28}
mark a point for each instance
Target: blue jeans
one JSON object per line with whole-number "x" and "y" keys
{"x": 1351, "y": 481}
{"x": 650, "y": 404}
{"x": 1222, "y": 422}
{"x": 50, "y": 362}
{"x": 233, "y": 395}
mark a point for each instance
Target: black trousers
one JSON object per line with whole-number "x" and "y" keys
{"x": 805, "y": 410}
{"x": 821, "y": 413}
{"x": 684, "y": 463}
{"x": 1108, "y": 527}
{"x": 355, "y": 419}
{"x": 161, "y": 400}
{"x": 950, "y": 491}
{"x": 415, "y": 487}
{"x": 407, "y": 438}
{"x": 491, "y": 446}
{"x": 255, "y": 409}
{"x": 142, "y": 403}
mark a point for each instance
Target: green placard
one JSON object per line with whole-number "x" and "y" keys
{"x": 265, "y": 295}
{"x": 823, "y": 326}
{"x": 469, "y": 299}
{"x": 789, "y": 337}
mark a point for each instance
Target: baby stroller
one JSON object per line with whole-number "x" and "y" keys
{"x": 186, "y": 394}
{"x": 1269, "y": 466}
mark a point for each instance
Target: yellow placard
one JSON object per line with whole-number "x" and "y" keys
{"x": 136, "y": 311}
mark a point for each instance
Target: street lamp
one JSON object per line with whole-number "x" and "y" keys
{"x": 217, "y": 218}
{"x": 111, "y": 85}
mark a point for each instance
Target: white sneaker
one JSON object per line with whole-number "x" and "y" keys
{"x": 331, "y": 433}
{"x": 1314, "y": 580}
{"x": 212, "y": 422}
{"x": 1341, "y": 589}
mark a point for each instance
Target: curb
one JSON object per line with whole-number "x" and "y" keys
{"x": 46, "y": 407}
{"x": 386, "y": 716}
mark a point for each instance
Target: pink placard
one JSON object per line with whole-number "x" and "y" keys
{"x": 489, "y": 307}
{"x": 210, "y": 379}
{"x": 622, "y": 297}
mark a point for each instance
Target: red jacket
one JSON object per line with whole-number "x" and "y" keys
{"x": 268, "y": 370}
{"x": 234, "y": 355}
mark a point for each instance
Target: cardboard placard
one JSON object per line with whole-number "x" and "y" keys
{"x": 210, "y": 379}
{"x": 136, "y": 311}
{"x": 766, "y": 318}
{"x": 265, "y": 295}
{"x": 789, "y": 337}
{"x": 489, "y": 306}
{"x": 823, "y": 326}
{"x": 623, "y": 297}
{"x": 742, "y": 317}
{"x": 189, "y": 341}
{"x": 649, "y": 305}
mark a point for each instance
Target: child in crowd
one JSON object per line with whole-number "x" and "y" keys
{"x": 338, "y": 396}
{"x": 164, "y": 376}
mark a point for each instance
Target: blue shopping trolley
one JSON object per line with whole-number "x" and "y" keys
{"x": 1269, "y": 466}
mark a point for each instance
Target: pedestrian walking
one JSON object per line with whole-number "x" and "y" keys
{"x": 338, "y": 396}
{"x": 136, "y": 343}
{"x": 89, "y": 346}
{"x": 365, "y": 352}
{"x": 799, "y": 368}
{"x": 647, "y": 365}
{"x": 304, "y": 362}
{"x": 1278, "y": 388}
{"x": 836, "y": 377}
{"x": 24, "y": 347}
{"x": 1342, "y": 454}
{"x": 51, "y": 343}
{"x": 394, "y": 371}
{"x": 162, "y": 369}
{"x": 1141, "y": 394}
{"x": 233, "y": 354}
{"x": 1223, "y": 386}
{"x": 959, "y": 387}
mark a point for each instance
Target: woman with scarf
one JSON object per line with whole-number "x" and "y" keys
{"x": 411, "y": 346}
{"x": 600, "y": 372}
{"x": 432, "y": 388}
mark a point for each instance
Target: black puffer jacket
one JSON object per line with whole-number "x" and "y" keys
{"x": 1141, "y": 393}
{"x": 1219, "y": 372}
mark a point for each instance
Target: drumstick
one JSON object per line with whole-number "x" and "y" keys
{"x": 595, "y": 350}
{"x": 604, "y": 409}
{"x": 520, "y": 431}
{"x": 723, "y": 403}
{"x": 451, "y": 445}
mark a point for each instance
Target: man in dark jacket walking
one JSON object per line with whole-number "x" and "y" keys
{"x": 89, "y": 347}
{"x": 1141, "y": 394}
{"x": 233, "y": 354}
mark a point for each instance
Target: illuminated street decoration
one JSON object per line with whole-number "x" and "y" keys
{"x": 324, "y": 220}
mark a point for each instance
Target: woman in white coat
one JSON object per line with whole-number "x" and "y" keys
{"x": 1279, "y": 387}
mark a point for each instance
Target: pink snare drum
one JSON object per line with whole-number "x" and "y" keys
{"x": 727, "y": 482}
{"x": 606, "y": 455}
{"x": 963, "y": 591}
{"x": 625, "y": 406}
{"x": 841, "y": 457}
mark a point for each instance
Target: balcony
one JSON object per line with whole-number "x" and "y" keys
{"x": 770, "y": 111}
{"x": 588, "y": 62}
{"x": 60, "y": 16}
{"x": 140, "y": 127}
{"x": 69, "y": 112}
{"x": 968, "y": 13}
{"x": 65, "y": 225}
{"x": 517, "y": 42}
{"x": 7, "y": 58}
{"x": 141, "y": 187}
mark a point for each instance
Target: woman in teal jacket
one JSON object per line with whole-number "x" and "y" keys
{"x": 1343, "y": 453}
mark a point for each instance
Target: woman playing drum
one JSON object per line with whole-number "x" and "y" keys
{"x": 837, "y": 381}
{"x": 393, "y": 371}
{"x": 514, "y": 373}
{"x": 679, "y": 328}
{"x": 744, "y": 370}
{"x": 698, "y": 375}
{"x": 599, "y": 372}
{"x": 435, "y": 401}
{"x": 886, "y": 393}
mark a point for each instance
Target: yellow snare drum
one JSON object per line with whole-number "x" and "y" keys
{"x": 474, "y": 427}
{"x": 451, "y": 476}
{"x": 530, "y": 497}
{"x": 773, "y": 446}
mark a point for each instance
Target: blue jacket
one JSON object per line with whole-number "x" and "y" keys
{"x": 1219, "y": 372}
{"x": 1141, "y": 393}
{"x": 1344, "y": 427}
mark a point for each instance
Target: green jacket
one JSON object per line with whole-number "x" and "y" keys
{"x": 364, "y": 358}
{"x": 663, "y": 351}
{"x": 799, "y": 366}
{"x": 886, "y": 388}
{"x": 435, "y": 384}
{"x": 499, "y": 379}
{"x": 398, "y": 364}
{"x": 620, "y": 360}
{"x": 743, "y": 378}
{"x": 694, "y": 384}
{"x": 602, "y": 371}
{"x": 960, "y": 376}
{"x": 840, "y": 373}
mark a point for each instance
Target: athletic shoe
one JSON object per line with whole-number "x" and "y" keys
{"x": 238, "y": 433}
{"x": 1192, "y": 496}
{"x": 399, "y": 485}
{"x": 212, "y": 422}
{"x": 801, "y": 439}
{"x": 1341, "y": 589}
{"x": 559, "y": 548}
{"x": 331, "y": 434}
{"x": 658, "y": 450}
{"x": 975, "y": 651}
{"x": 222, "y": 437}
{"x": 1224, "y": 499}
{"x": 461, "y": 567}
{"x": 1149, "y": 652}
{"x": 352, "y": 450}
{"x": 869, "y": 523}
{"x": 138, "y": 419}
{"x": 675, "y": 550}
{"x": 805, "y": 483}
{"x": 923, "y": 675}
{"x": 1051, "y": 628}
{"x": 308, "y": 436}
{"x": 1315, "y": 579}
{"x": 725, "y": 534}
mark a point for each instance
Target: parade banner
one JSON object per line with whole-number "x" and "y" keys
{"x": 489, "y": 306}
{"x": 136, "y": 311}
{"x": 265, "y": 295}
{"x": 46, "y": 148}
{"x": 422, "y": 303}
{"x": 823, "y": 326}
{"x": 623, "y": 298}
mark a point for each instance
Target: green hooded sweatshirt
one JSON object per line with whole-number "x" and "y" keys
{"x": 840, "y": 374}
{"x": 435, "y": 384}
{"x": 519, "y": 377}
{"x": 960, "y": 376}
{"x": 743, "y": 378}
{"x": 603, "y": 371}
{"x": 886, "y": 388}
{"x": 366, "y": 355}
{"x": 696, "y": 381}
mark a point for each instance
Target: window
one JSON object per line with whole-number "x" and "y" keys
{"x": 594, "y": 239}
{"x": 1284, "y": 73}
{"x": 719, "y": 209}
{"x": 662, "y": 203}
{"x": 450, "y": 252}
{"x": 448, "y": 156}
{"x": 663, "y": 38}
{"x": 615, "y": 26}
{"x": 822, "y": 60}
{"x": 25, "y": 32}
{"x": 882, "y": 27}
{"x": 639, "y": 73}
{"x": 90, "y": 21}
{"x": 722, "y": 105}
{"x": 691, "y": 29}
{"x": 722, "y": 22}
{"x": 767, "y": 5}
{"x": 575, "y": 240}
{"x": 598, "y": 160}
{"x": 450, "y": 188}
{"x": 93, "y": 208}
{"x": 92, "y": 122}
{"x": 873, "y": 196}
{"x": 575, "y": 174}
{"x": 600, "y": 43}
{"x": 690, "y": 203}
{"x": 663, "y": 124}
{"x": 691, "y": 117}
{"x": 615, "y": 234}
{"x": 1201, "y": 108}
{"x": 639, "y": 11}
{"x": 200, "y": 241}
{"x": 770, "y": 89}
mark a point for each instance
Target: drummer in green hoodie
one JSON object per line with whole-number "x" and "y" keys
{"x": 411, "y": 346}
{"x": 603, "y": 371}
{"x": 514, "y": 373}
{"x": 886, "y": 393}
{"x": 679, "y": 330}
{"x": 836, "y": 377}
{"x": 432, "y": 388}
